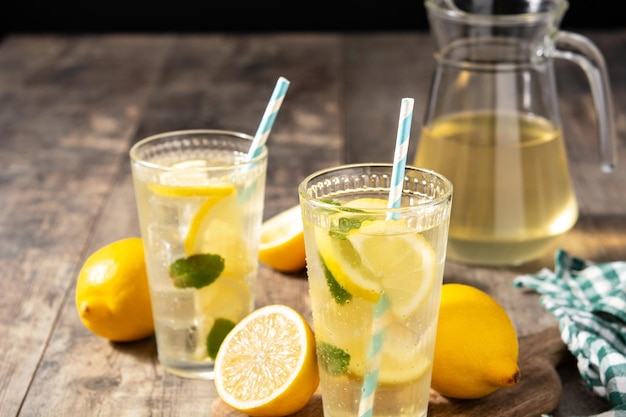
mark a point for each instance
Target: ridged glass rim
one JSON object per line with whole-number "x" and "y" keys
{"x": 177, "y": 134}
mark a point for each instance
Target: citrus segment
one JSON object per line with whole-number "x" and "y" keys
{"x": 267, "y": 364}
{"x": 282, "y": 241}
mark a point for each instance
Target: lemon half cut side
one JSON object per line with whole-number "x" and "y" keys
{"x": 282, "y": 241}
{"x": 267, "y": 364}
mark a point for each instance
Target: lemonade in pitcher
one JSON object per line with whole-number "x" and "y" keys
{"x": 513, "y": 197}
{"x": 369, "y": 277}
{"x": 200, "y": 216}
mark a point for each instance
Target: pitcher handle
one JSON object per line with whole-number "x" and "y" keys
{"x": 580, "y": 50}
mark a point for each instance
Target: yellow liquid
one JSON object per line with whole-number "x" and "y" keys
{"x": 512, "y": 192}
{"x": 349, "y": 326}
{"x": 184, "y": 316}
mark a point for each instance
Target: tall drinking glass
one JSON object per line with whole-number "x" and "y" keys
{"x": 200, "y": 203}
{"x": 375, "y": 276}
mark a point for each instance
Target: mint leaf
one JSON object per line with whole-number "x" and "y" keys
{"x": 216, "y": 336}
{"x": 339, "y": 293}
{"x": 346, "y": 224}
{"x": 196, "y": 271}
{"x": 334, "y": 360}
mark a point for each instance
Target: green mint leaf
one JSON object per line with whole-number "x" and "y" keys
{"x": 196, "y": 271}
{"x": 216, "y": 336}
{"x": 339, "y": 293}
{"x": 330, "y": 201}
{"x": 334, "y": 360}
{"x": 346, "y": 224}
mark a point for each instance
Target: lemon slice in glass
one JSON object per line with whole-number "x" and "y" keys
{"x": 225, "y": 298}
{"x": 344, "y": 263}
{"x": 403, "y": 358}
{"x": 402, "y": 260}
{"x": 216, "y": 228}
{"x": 380, "y": 256}
{"x": 210, "y": 210}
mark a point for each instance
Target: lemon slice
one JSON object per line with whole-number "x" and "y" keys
{"x": 216, "y": 228}
{"x": 191, "y": 191}
{"x": 344, "y": 262}
{"x": 367, "y": 202}
{"x": 197, "y": 225}
{"x": 404, "y": 262}
{"x": 282, "y": 241}
{"x": 267, "y": 364}
{"x": 225, "y": 298}
{"x": 403, "y": 357}
{"x": 380, "y": 256}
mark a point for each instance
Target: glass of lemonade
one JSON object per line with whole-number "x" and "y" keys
{"x": 375, "y": 278}
{"x": 200, "y": 204}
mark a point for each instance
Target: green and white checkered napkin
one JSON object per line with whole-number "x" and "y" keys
{"x": 589, "y": 302}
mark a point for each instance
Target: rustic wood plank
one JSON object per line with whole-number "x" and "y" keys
{"x": 69, "y": 105}
{"x": 227, "y": 88}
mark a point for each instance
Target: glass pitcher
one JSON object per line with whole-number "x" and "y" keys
{"x": 492, "y": 124}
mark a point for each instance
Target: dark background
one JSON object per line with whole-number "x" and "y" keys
{"x": 252, "y": 16}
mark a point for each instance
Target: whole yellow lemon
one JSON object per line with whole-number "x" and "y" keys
{"x": 112, "y": 295}
{"x": 476, "y": 349}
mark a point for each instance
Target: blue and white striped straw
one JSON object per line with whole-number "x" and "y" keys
{"x": 263, "y": 131}
{"x": 399, "y": 157}
{"x": 374, "y": 356}
{"x": 380, "y": 316}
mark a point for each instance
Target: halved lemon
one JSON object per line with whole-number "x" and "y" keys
{"x": 267, "y": 364}
{"x": 282, "y": 241}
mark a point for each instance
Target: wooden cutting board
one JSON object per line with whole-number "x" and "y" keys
{"x": 538, "y": 392}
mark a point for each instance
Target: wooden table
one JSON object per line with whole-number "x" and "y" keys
{"x": 70, "y": 108}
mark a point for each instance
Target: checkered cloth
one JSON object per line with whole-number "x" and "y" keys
{"x": 589, "y": 302}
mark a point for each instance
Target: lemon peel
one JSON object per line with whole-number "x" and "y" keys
{"x": 112, "y": 295}
{"x": 476, "y": 349}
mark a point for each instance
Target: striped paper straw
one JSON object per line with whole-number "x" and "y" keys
{"x": 263, "y": 131}
{"x": 399, "y": 157}
{"x": 374, "y": 354}
{"x": 380, "y": 316}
